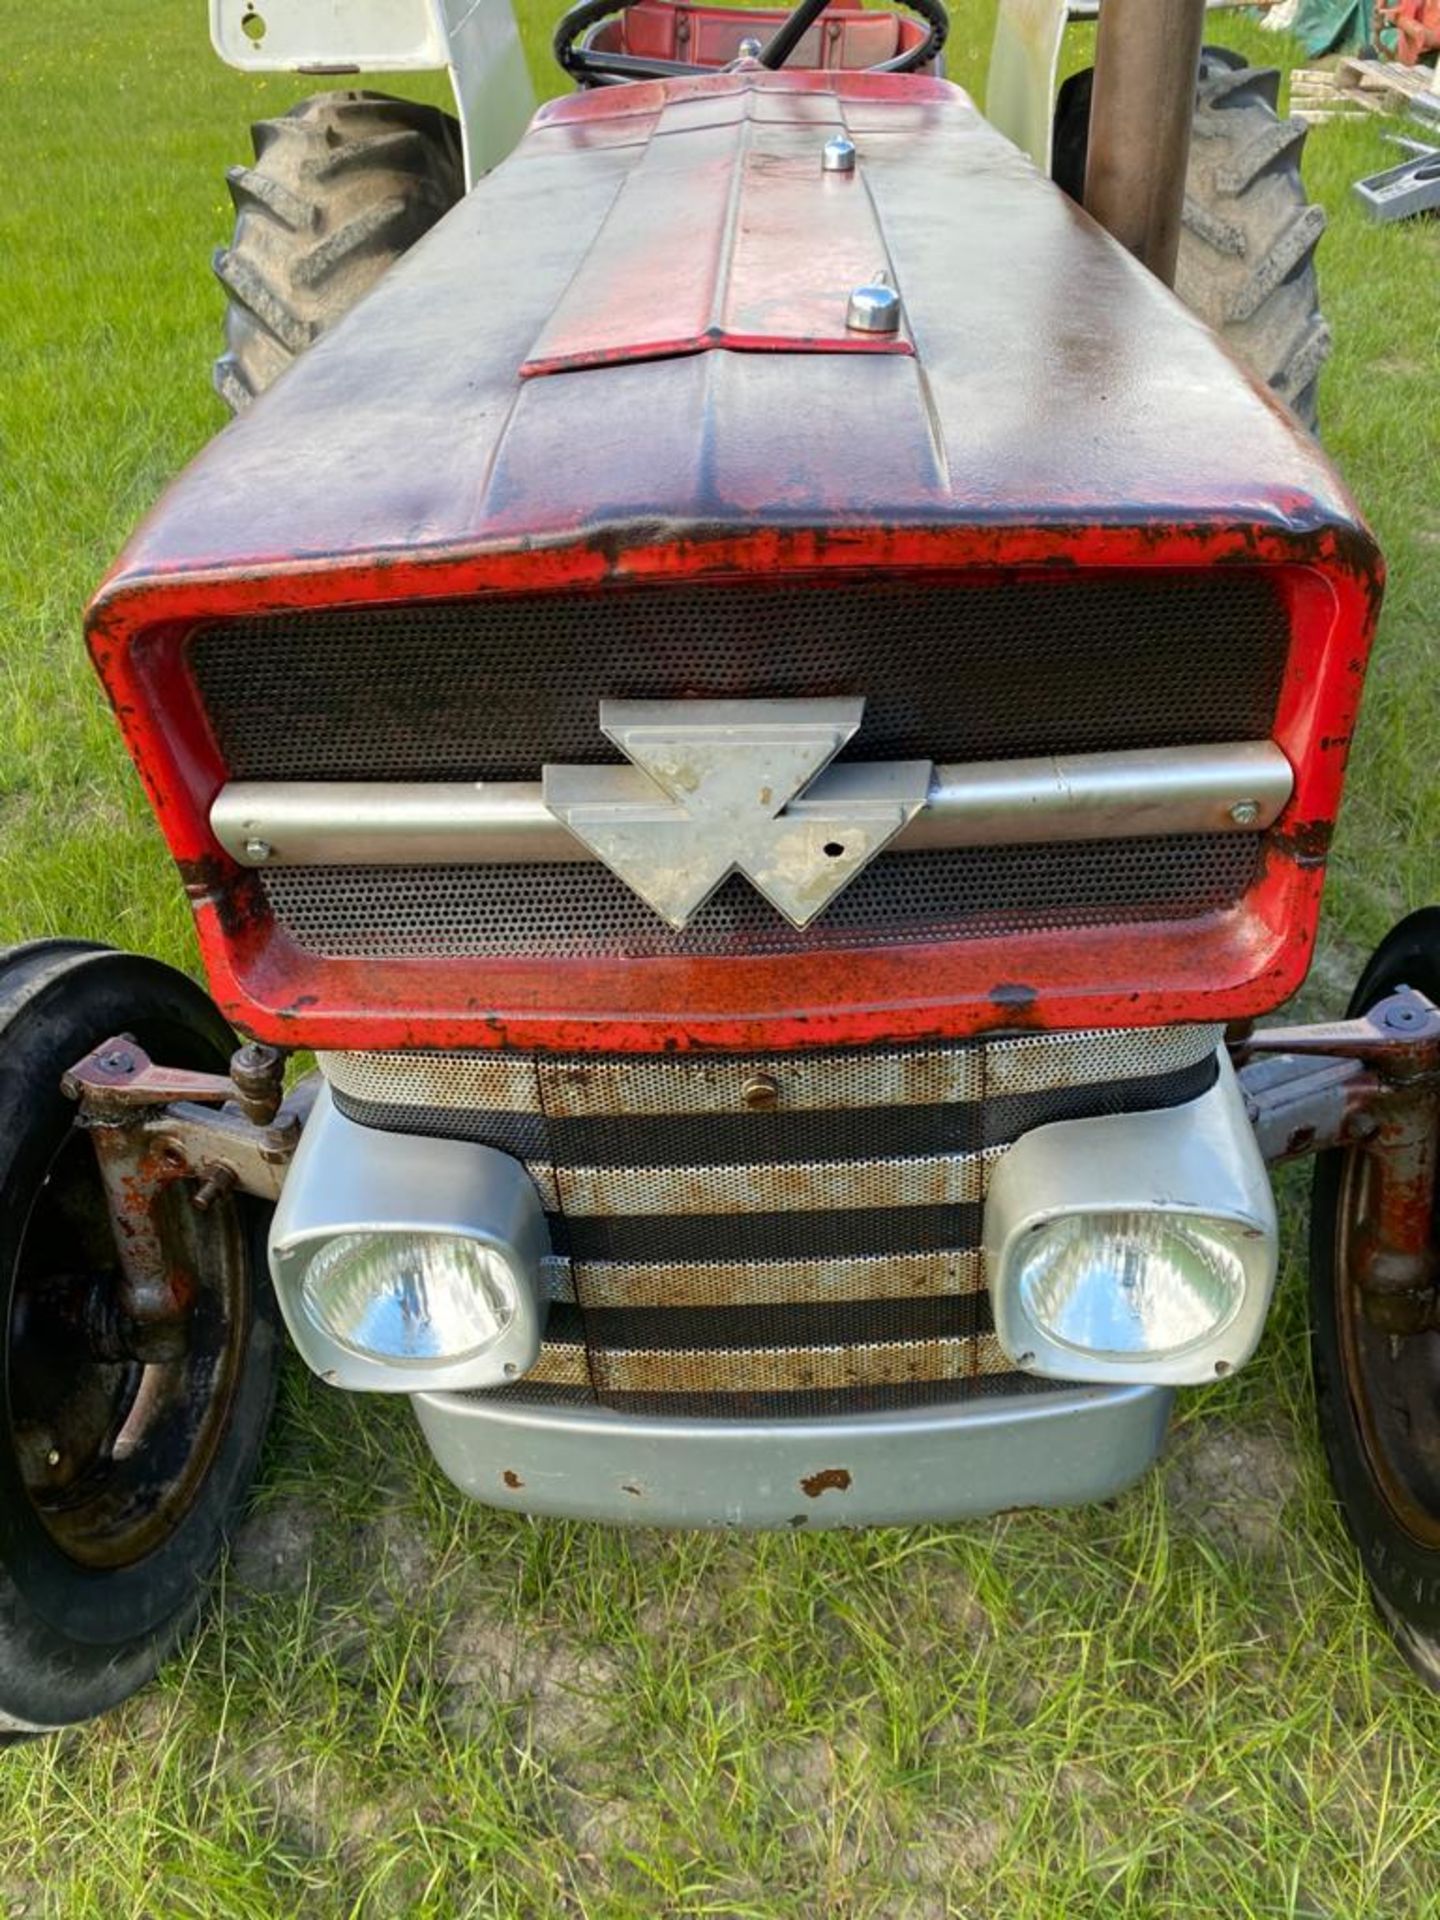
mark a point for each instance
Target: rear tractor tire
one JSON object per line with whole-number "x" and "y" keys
{"x": 341, "y": 186}
{"x": 1247, "y": 248}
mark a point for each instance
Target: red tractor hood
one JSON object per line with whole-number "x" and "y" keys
{"x": 541, "y": 369}
{"x": 623, "y": 361}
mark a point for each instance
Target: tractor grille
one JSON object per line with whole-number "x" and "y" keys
{"x": 973, "y": 668}
{"x": 817, "y": 1255}
{"x": 962, "y": 669}
{"x": 568, "y": 910}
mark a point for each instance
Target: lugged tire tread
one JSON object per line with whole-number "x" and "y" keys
{"x": 250, "y": 188}
{"x": 1247, "y": 245}
{"x": 1275, "y": 142}
{"x": 340, "y": 187}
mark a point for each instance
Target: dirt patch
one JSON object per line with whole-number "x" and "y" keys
{"x": 601, "y": 1828}
{"x": 396, "y": 1564}
{"x": 947, "y": 1851}
{"x": 803, "y": 1777}
{"x": 564, "y": 1692}
{"x": 274, "y": 1549}
{"x": 948, "y": 1595}
{"x": 313, "y": 1800}
{"x": 1232, "y": 1484}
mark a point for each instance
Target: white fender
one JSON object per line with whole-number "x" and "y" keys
{"x": 1024, "y": 59}
{"x": 477, "y": 42}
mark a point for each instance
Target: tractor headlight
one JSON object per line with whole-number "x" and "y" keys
{"x": 418, "y": 1297}
{"x": 1122, "y": 1284}
{"x": 1134, "y": 1247}
{"x": 404, "y": 1264}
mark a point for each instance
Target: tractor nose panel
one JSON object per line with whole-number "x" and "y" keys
{"x": 730, "y": 234}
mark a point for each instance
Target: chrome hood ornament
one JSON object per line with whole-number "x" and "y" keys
{"x": 717, "y": 787}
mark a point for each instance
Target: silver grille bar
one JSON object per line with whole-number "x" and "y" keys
{"x": 1236, "y": 788}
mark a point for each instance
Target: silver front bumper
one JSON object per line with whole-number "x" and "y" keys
{"x": 876, "y": 1469}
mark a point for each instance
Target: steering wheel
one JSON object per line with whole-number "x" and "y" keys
{"x": 592, "y": 67}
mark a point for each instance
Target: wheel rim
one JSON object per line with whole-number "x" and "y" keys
{"x": 1392, "y": 1382}
{"x": 113, "y": 1454}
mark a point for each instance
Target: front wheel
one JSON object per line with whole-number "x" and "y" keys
{"x": 1378, "y": 1393}
{"x": 119, "y": 1478}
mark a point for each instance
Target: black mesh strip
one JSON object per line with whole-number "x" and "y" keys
{"x": 1009, "y": 1116}
{"x": 726, "y": 1139}
{"x": 522, "y": 1135}
{"x": 538, "y": 1393}
{"x": 802, "y": 1404}
{"x": 813, "y": 1323}
{"x": 775, "y": 1236}
{"x": 961, "y": 668}
{"x": 565, "y": 1326}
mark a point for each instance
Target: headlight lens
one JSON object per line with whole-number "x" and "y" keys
{"x": 410, "y": 1296}
{"x": 1131, "y": 1285}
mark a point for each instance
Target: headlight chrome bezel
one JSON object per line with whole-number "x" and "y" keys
{"x": 1196, "y": 1165}
{"x": 352, "y": 1181}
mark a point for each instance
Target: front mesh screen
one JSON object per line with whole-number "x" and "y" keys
{"x": 960, "y": 893}
{"x": 980, "y": 667}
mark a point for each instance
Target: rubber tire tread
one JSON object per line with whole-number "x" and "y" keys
{"x": 57, "y": 999}
{"x": 1404, "y": 1576}
{"x": 341, "y": 186}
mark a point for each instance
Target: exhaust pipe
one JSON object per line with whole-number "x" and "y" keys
{"x": 1147, "y": 56}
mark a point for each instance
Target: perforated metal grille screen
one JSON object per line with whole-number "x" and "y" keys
{"x": 976, "y": 668}
{"x": 720, "y": 1258}
{"x": 962, "y": 893}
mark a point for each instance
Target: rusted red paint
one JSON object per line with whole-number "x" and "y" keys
{"x": 153, "y": 1289}
{"x": 1394, "y": 1244}
{"x": 1089, "y": 424}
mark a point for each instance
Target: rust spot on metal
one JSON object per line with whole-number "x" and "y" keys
{"x": 814, "y": 1484}
{"x": 1308, "y": 841}
{"x": 512, "y": 1479}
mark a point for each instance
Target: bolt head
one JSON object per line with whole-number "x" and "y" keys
{"x": 52, "y": 1458}
{"x": 761, "y": 1093}
{"x": 749, "y": 49}
{"x": 1403, "y": 1019}
{"x": 838, "y": 155}
{"x": 1245, "y": 812}
{"x": 258, "y": 850}
{"x": 874, "y": 308}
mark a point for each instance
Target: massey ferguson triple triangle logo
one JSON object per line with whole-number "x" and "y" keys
{"x": 717, "y": 787}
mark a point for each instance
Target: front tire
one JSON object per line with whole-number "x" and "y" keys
{"x": 342, "y": 185}
{"x": 1247, "y": 247}
{"x": 119, "y": 1480}
{"x": 1378, "y": 1395}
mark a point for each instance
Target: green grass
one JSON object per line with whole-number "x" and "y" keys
{"x": 1174, "y": 1705}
